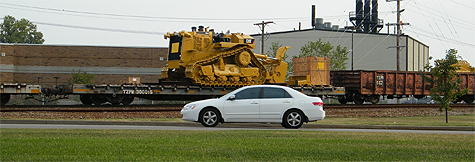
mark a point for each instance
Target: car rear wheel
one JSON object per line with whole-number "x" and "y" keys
{"x": 293, "y": 119}
{"x": 209, "y": 117}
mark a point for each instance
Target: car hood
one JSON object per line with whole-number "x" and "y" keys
{"x": 207, "y": 101}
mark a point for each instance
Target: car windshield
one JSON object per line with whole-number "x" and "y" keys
{"x": 227, "y": 95}
{"x": 241, "y": 90}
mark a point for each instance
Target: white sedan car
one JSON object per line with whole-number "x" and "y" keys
{"x": 258, "y": 103}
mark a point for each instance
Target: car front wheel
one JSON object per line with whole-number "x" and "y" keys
{"x": 209, "y": 117}
{"x": 293, "y": 119}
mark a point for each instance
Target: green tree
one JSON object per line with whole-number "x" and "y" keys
{"x": 444, "y": 81}
{"x": 337, "y": 55}
{"x": 19, "y": 31}
{"x": 340, "y": 55}
{"x": 81, "y": 78}
{"x": 273, "y": 50}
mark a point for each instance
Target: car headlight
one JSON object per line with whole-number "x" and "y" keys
{"x": 190, "y": 106}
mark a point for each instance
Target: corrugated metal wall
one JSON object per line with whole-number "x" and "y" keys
{"x": 370, "y": 51}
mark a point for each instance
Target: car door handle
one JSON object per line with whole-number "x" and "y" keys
{"x": 286, "y": 101}
{"x": 254, "y": 102}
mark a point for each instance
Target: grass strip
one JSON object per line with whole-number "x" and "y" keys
{"x": 236, "y": 145}
{"x": 460, "y": 120}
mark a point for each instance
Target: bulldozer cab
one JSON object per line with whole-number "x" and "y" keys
{"x": 174, "y": 50}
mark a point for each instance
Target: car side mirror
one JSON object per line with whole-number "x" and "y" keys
{"x": 232, "y": 97}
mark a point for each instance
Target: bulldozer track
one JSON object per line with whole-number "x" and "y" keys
{"x": 189, "y": 69}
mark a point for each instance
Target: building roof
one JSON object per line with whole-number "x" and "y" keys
{"x": 342, "y": 31}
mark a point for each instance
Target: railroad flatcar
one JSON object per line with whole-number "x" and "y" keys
{"x": 8, "y": 89}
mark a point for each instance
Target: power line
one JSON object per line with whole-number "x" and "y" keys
{"x": 425, "y": 17}
{"x": 429, "y": 12}
{"x": 437, "y": 15}
{"x": 462, "y": 4}
{"x": 97, "y": 28}
{"x": 150, "y": 17}
{"x": 456, "y": 33}
{"x": 102, "y": 29}
{"x": 438, "y": 38}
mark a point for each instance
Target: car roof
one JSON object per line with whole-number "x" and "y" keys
{"x": 290, "y": 90}
{"x": 265, "y": 85}
{"x": 277, "y": 86}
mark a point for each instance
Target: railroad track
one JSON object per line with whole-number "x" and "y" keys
{"x": 379, "y": 106}
{"x": 173, "y": 111}
{"x": 178, "y": 107}
{"x": 90, "y": 108}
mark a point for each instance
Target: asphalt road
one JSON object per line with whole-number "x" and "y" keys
{"x": 221, "y": 128}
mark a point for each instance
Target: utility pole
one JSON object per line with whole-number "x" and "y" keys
{"x": 352, "y": 28}
{"x": 398, "y": 52}
{"x": 352, "y": 49}
{"x": 398, "y": 36}
{"x": 398, "y": 32}
{"x": 263, "y": 24}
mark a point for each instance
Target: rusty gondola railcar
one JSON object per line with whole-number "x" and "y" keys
{"x": 368, "y": 86}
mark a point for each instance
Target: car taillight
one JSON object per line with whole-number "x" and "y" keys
{"x": 318, "y": 103}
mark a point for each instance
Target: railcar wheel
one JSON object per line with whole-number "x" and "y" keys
{"x": 209, "y": 117}
{"x": 469, "y": 99}
{"x": 127, "y": 100}
{"x": 460, "y": 99}
{"x": 375, "y": 100}
{"x": 358, "y": 99}
{"x": 98, "y": 100}
{"x": 4, "y": 98}
{"x": 343, "y": 101}
{"x": 85, "y": 99}
{"x": 419, "y": 97}
{"x": 293, "y": 119}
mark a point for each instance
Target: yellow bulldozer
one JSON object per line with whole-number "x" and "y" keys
{"x": 464, "y": 66}
{"x": 205, "y": 57}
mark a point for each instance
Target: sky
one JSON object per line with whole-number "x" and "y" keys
{"x": 440, "y": 24}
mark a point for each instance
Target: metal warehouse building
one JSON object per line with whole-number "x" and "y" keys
{"x": 370, "y": 51}
{"x": 47, "y": 65}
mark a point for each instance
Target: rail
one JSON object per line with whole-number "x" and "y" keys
{"x": 178, "y": 107}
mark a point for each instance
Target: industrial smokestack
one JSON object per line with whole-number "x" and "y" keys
{"x": 313, "y": 16}
{"x": 367, "y": 16}
{"x": 374, "y": 17}
{"x": 359, "y": 14}
{"x": 366, "y": 19}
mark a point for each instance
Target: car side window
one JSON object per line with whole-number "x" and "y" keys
{"x": 275, "y": 93}
{"x": 287, "y": 95}
{"x": 251, "y": 93}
